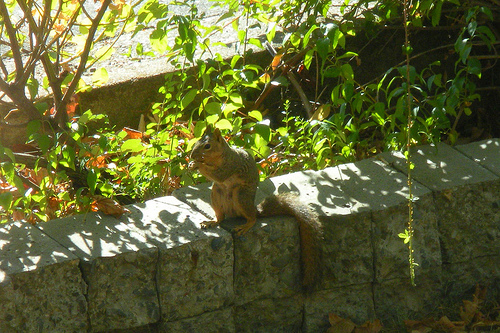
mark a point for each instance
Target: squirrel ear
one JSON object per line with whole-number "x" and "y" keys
{"x": 217, "y": 134}
{"x": 208, "y": 130}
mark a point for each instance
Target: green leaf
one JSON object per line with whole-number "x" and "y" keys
{"x": 213, "y": 108}
{"x": 487, "y": 11}
{"x": 436, "y": 12}
{"x": 33, "y": 127}
{"x": 92, "y": 180}
{"x": 212, "y": 119}
{"x": 347, "y": 55}
{"x": 241, "y": 36}
{"x": 104, "y": 53}
{"x": 256, "y": 42}
{"x": 264, "y": 132}
{"x": 474, "y": 66}
{"x": 188, "y": 98}
{"x": 234, "y": 60}
{"x": 308, "y": 58}
{"x": 132, "y": 146}
{"x": 229, "y": 14}
{"x": 100, "y": 76}
{"x": 224, "y": 124}
{"x": 347, "y": 72}
{"x": 271, "y": 32}
{"x": 486, "y": 35}
{"x": 159, "y": 41}
{"x": 236, "y": 98}
{"x": 308, "y": 34}
{"x": 338, "y": 39}
{"x": 32, "y": 86}
{"x": 348, "y": 91}
{"x": 403, "y": 235}
{"x": 6, "y": 200}
{"x": 323, "y": 47}
{"x": 471, "y": 28}
{"x": 332, "y": 71}
{"x": 255, "y": 114}
{"x": 407, "y": 49}
{"x": 44, "y": 142}
{"x": 295, "y": 39}
{"x": 463, "y": 48}
{"x": 8, "y": 152}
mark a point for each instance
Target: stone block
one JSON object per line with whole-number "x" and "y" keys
{"x": 122, "y": 291}
{"x": 270, "y": 315}
{"x": 195, "y": 266}
{"x": 150, "y": 328}
{"x": 347, "y": 250}
{"x": 440, "y": 167}
{"x": 220, "y": 321}
{"x": 119, "y": 267}
{"x": 372, "y": 185}
{"x": 460, "y": 280}
{"x": 469, "y": 221}
{"x": 391, "y": 253}
{"x": 267, "y": 260}
{"x": 155, "y": 256}
{"x": 41, "y": 286}
{"x": 484, "y": 153}
{"x": 354, "y": 302}
{"x": 397, "y": 300}
{"x": 467, "y": 198}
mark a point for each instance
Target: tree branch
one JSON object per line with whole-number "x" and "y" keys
{"x": 61, "y": 114}
{"x": 35, "y": 49}
{"x": 11, "y": 32}
{"x": 18, "y": 97}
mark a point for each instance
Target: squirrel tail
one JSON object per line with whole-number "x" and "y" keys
{"x": 310, "y": 232}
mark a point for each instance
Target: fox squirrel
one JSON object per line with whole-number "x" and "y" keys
{"x": 235, "y": 180}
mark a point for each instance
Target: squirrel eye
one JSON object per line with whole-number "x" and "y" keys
{"x": 207, "y": 146}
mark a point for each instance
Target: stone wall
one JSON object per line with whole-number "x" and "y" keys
{"x": 155, "y": 270}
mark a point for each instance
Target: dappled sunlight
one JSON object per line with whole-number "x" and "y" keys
{"x": 24, "y": 248}
{"x": 157, "y": 260}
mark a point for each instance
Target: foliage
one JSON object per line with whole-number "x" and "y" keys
{"x": 49, "y": 36}
{"x": 341, "y": 118}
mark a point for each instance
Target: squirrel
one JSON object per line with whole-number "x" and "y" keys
{"x": 235, "y": 180}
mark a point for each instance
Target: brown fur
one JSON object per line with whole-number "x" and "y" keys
{"x": 236, "y": 178}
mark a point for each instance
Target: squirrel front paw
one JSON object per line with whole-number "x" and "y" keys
{"x": 209, "y": 224}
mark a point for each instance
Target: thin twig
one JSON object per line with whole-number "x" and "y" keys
{"x": 409, "y": 124}
{"x": 60, "y": 109}
{"x": 11, "y": 32}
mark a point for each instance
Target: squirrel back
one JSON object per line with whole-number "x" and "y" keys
{"x": 235, "y": 180}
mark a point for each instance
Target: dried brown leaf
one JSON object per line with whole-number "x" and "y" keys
{"x": 276, "y": 61}
{"x": 370, "y": 327}
{"x": 108, "y": 206}
{"x": 446, "y": 325}
{"x": 419, "y": 326}
{"x": 468, "y": 311}
{"x": 339, "y": 324}
{"x": 132, "y": 133}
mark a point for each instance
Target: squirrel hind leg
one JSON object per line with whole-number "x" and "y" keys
{"x": 243, "y": 229}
